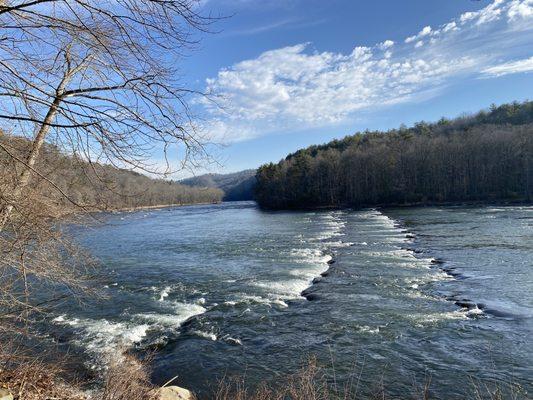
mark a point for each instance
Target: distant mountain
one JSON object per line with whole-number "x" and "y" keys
{"x": 236, "y": 186}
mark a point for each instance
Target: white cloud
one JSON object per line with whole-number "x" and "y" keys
{"x": 512, "y": 67}
{"x": 295, "y": 88}
{"x": 451, "y": 26}
{"x": 520, "y": 10}
{"x": 423, "y": 33}
{"x": 387, "y": 44}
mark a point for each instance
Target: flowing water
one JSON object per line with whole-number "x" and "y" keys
{"x": 397, "y": 295}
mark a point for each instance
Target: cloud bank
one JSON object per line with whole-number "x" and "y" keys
{"x": 294, "y": 87}
{"x": 512, "y": 67}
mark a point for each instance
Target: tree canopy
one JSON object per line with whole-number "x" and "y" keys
{"x": 486, "y": 156}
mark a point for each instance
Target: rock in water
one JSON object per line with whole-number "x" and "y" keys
{"x": 173, "y": 393}
{"x": 5, "y": 395}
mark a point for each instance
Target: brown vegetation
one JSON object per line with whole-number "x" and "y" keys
{"x": 128, "y": 379}
{"x": 28, "y": 377}
{"x": 88, "y": 95}
{"x": 312, "y": 383}
{"x": 70, "y": 184}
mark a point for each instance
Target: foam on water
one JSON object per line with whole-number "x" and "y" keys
{"x": 368, "y": 329}
{"x": 205, "y": 335}
{"x": 268, "y": 301}
{"x": 315, "y": 261}
{"x": 421, "y": 320}
{"x": 310, "y": 261}
{"x": 309, "y": 256}
{"x": 340, "y": 244}
{"x": 232, "y": 340}
{"x": 182, "y": 312}
{"x": 286, "y": 289}
{"x": 103, "y": 338}
{"x": 60, "y": 318}
{"x": 164, "y": 293}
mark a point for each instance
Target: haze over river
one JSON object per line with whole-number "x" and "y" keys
{"x": 411, "y": 293}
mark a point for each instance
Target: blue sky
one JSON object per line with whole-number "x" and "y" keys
{"x": 290, "y": 73}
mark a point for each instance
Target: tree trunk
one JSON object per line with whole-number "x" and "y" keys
{"x": 38, "y": 141}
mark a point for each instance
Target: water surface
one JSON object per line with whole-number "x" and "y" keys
{"x": 407, "y": 294}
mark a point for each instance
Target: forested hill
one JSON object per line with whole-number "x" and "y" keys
{"x": 64, "y": 180}
{"x": 236, "y": 186}
{"x": 486, "y": 156}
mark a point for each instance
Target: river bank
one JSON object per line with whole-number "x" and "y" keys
{"x": 159, "y": 207}
{"x": 385, "y": 206}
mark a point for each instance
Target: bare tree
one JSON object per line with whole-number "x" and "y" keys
{"x": 97, "y": 78}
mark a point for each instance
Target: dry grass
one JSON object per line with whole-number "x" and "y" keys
{"x": 311, "y": 383}
{"x": 482, "y": 390}
{"x": 127, "y": 379}
{"x": 30, "y": 378}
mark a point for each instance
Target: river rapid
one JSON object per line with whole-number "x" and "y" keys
{"x": 397, "y": 295}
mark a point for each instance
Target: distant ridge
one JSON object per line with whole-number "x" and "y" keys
{"x": 237, "y": 186}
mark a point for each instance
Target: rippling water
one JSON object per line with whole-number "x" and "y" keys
{"x": 400, "y": 294}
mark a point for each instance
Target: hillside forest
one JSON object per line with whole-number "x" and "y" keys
{"x": 67, "y": 181}
{"x": 483, "y": 157}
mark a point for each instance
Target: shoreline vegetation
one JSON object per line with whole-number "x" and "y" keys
{"x": 73, "y": 185}
{"x": 483, "y": 157}
{"x": 385, "y": 206}
{"x": 127, "y": 378}
{"x": 161, "y": 206}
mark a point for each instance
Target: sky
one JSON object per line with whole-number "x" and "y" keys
{"x": 286, "y": 74}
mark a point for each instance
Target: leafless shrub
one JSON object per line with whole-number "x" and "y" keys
{"x": 127, "y": 379}
{"x": 309, "y": 383}
{"x": 97, "y": 80}
{"x": 312, "y": 383}
{"x": 36, "y": 257}
{"x": 493, "y": 390}
{"x": 29, "y": 377}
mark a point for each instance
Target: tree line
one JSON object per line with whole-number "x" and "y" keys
{"x": 68, "y": 182}
{"x": 486, "y": 156}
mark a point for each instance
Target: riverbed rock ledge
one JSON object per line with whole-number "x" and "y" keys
{"x": 5, "y": 395}
{"x": 174, "y": 393}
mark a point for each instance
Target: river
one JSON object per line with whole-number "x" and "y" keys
{"x": 399, "y": 295}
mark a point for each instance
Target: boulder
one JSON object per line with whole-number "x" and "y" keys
{"x": 5, "y": 395}
{"x": 175, "y": 393}
{"x": 312, "y": 297}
